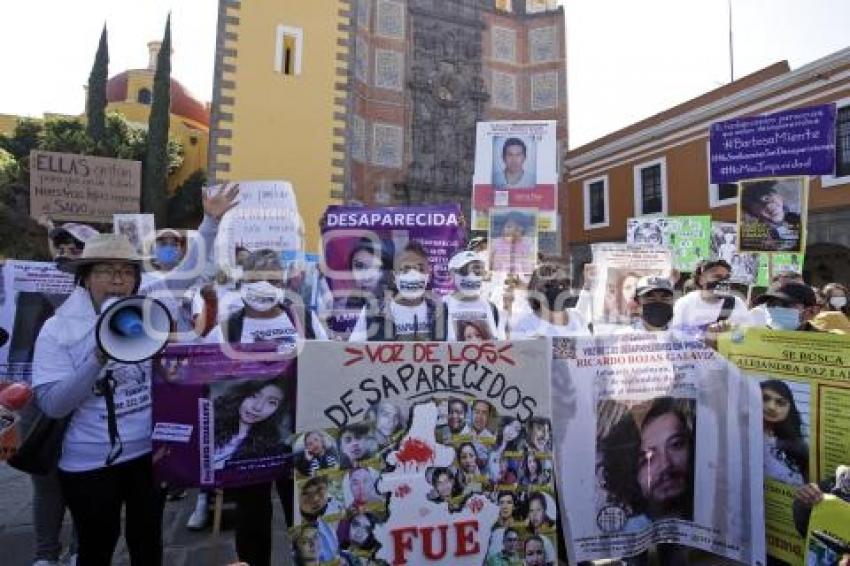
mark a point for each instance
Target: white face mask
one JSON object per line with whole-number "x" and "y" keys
{"x": 783, "y": 318}
{"x": 260, "y": 296}
{"x": 468, "y": 285}
{"x": 411, "y": 285}
{"x": 367, "y": 279}
{"x": 838, "y": 302}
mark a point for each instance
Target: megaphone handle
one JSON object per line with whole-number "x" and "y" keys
{"x": 107, "y": 386}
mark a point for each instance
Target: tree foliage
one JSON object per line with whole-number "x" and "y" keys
{"x": 96, "y": 93}
{"x": 155, "y": 178}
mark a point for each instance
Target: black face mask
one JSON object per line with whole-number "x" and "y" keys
{"x": 719, "y": 287}
{"x": 657, "y": 315}
{"x": 556, "y": 294}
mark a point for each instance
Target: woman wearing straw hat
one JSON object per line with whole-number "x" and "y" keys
{"x": 105, "y": 460}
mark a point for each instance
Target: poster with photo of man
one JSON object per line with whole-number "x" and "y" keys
{"x": 648, "y": 449}
{"x": 515, "y": 166}
{"x": 513, "y": 240}
{"x": 772, "y": 215}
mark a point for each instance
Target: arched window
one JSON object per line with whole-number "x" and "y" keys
{"x": 144, "y": 96}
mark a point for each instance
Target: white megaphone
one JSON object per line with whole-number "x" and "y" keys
{"x": 133, "y": 329}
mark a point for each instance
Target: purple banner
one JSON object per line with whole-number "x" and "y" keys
{"x": 361, "y": 245}
{"x": 221, "y": 421}
{"x": 794, "y": 142}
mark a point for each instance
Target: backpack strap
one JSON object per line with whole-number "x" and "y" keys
{"x": 233, "y": 327}
{"x": 726, "y": 309}
{"x": 495, "y": 310}
{"x": 309, "y": 331}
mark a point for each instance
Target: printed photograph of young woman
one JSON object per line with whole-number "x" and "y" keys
{"x": 786, "y": 450}
{"x": 316, "y": 450}
{"x": 251, "y": 420}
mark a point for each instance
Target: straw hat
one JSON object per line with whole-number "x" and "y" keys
{"x": 102, "y": 248}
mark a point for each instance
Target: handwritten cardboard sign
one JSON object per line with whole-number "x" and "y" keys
{"x": 67, "y": 186}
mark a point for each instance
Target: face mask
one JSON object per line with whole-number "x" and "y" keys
{"x": 411, "y": 285}
{"x": 167, "y": 254}
{"x": 720, "y": 288}
{"x": 468, "y": 285}
{"x": 838, "y": 302}
{"x": 367, "y": 278}
{"x": 260, "y": 296}
{"x": 783, "y": 318}
{"x": 657, "y": 315}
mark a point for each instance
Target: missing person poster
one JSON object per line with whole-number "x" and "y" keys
{"x": 516, "y": 166}
{"x": 772, "y": 215}
{"x": 425, "y": 453}
{"x": 139, "y": 229}
{"x": 362, "y": 246}
{"x": 266, "y": 217}
{"x": 724, "y": 245}
{"x": 221, "y": 420}
{"x": 619, "y": 267}
{"x": 513, "y": 240}
{"x": 30, "y": 293}
{"x": 828, "y": 537}
{"x": 805, "y": 388}
{"x": 687, "y": 237}
{"x": 655, "y": 443}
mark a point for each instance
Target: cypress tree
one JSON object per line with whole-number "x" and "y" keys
{"x": 155, "y": 176}
{"x": 96, "y": 95}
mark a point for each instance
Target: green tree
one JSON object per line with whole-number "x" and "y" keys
{"x": 96, "y": 95}
{"x": 155, "y": 177}
{"x": 26, "y": 137}
{"x": 8, "y": 167}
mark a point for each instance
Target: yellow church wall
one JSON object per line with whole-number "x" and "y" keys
{"x": 282, "y": 126}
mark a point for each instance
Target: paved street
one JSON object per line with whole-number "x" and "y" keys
{"x": 182, "y": 547}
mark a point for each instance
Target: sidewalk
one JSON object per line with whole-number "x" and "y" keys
{"x": 182, "y": 547}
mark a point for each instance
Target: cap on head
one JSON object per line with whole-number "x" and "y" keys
{"x": 652, "y": 283}
{"x": 460, "y": 259}
{"x": 791, "y": 294}
{"x": 79, "y": 232}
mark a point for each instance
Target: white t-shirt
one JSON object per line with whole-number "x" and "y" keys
{"x": 410, "y": 323}
{"x": 279, "y": 330}
{"x": 65, "y": 343}
{"x": 529, "y": 325}
{"x": 479, "y": 313}
{"x": 692, "y": 312}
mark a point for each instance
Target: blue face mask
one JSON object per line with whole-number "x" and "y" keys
{"x": 783, "y": 318}
{"x": 167, "y": 254}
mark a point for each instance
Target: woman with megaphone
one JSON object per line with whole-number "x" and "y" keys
{"x": 105, "y": 461}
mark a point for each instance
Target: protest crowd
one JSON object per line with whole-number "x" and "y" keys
{"x": 102, "y": 463}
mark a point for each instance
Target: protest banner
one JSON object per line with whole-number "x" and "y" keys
{"x": 687, "y": 237}
{"x": 724, "y": 245}
{"x": 30, "y": 292}
{"x": 513, "y": 240}
{"x": 828, "y": 536}
{"x": 773, "y": 214}
{"x": 618, "y": 269}
{"x": 435, "y": 452}
{"x": 515, "y": 165}
{"x": 82, "y": 188}
{"x": 805, "y": 383}
{"x": 266, "y": 217}
{"x": 655, "y": 443}
{"x": 792, "y": 142}
{"x": 360, "y": 246}
{"x": 139, "y": 229}
{"x": 219, "y": 420}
